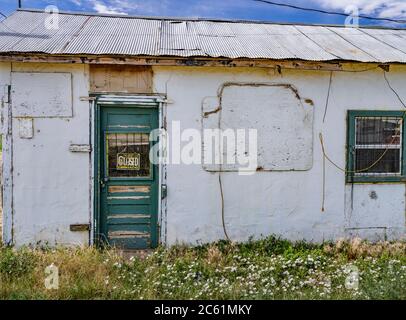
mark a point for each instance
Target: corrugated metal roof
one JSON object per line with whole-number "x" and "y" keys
{"x": 88, "y": 34}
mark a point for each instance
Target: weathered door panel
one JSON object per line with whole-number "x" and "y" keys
{"x": 128, "y": 180}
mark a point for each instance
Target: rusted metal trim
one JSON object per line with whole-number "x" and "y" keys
{"x": 85, "y": 148}
{"x": 162, "y": 180}
{"x": 129, "y": 216}
{"x": 128, "y": 198}
{"x": 385, "y": 67}
{"x": 127, "y": 234}
{"x": 79, "y": 227}
{"x": 289, "y": 86}
{"x": 129, "y": 189}
{"x": 87, "y": 98}
{"x": 207, "y": 113}
{"x": 175, "y": 61}
{"x": 7, "y": 166}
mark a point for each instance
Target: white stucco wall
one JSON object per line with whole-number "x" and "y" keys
{"x": 51, "y": 185}
{"x": 285, "y": 203}
{"x": 7, "y": 181}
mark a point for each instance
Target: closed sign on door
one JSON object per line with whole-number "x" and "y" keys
{"x": 128, "y": 161}
{"x": 129, "y": 193}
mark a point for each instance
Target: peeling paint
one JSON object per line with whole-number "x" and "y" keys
{"x": 287, "y": 203}
{"x": 309, "y": 101}
{"x": 44, "y": 185}
{"x": 275, "y": 110}
{"x": 42, "y": 94}
{"x": 81, "y": 148}
{"x": 127, "y": 234}
{"x": 281, "y": 203}
{"x": 129, "y": 216}
{"x": 128, "y": 198}
{"x": 207, "y": 113}
{"x": 26, "y": 128}
{"x": 373, "y": 195}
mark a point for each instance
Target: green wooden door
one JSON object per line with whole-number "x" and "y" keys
{"x": 128, "y": 181}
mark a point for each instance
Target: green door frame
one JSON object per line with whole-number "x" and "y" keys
{"x": 111, "y": 101}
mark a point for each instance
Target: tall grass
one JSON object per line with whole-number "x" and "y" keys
{"x": 267, "y": 269}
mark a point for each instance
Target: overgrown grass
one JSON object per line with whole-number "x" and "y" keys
{"x": 266, "y": 269}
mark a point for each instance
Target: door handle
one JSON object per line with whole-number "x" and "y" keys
{"x": 103, "y": 182}
{"x": 164, "y": 191}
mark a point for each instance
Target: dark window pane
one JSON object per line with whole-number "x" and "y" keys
{"x": 128, "y": 155}
{"x": 378, "y": 131}
{"x": 390, "y": 163}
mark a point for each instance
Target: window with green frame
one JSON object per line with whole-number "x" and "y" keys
{"x": 376, "y": 150}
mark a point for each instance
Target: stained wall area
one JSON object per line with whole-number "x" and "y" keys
{"x": 287, "y": 200}
{"x": 48, "y": 186}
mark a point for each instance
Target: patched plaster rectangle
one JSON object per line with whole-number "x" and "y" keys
{"x": 283, "y": 122}
{"x": 41, "y": 95}
{"x": 26, "y": 128}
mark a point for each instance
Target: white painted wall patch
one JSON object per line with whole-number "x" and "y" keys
{"x": 284, "y": 124}
{"x": 26, "y": 128}
{"x": 41, "y": 95}
{"x": 80, "y": 148}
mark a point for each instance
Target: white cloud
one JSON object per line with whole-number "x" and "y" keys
{"x": 191, "y": 8}
{"x": 226, "y": 8}
{"x": 378, "y": 8}
{"x": 102, "y": 8}
{"x": 125, "y": 6}
{"x": 77, "y": 2}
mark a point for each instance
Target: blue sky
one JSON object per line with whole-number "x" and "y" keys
{"x": 229, "y": 9}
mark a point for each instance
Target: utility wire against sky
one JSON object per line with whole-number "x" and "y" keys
{"x": 309, "y": 10}
{"x": 3, "y": 24}
{"x": 328, "y": 12}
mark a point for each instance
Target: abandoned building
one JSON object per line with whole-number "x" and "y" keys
{"x": 80, "y": 99}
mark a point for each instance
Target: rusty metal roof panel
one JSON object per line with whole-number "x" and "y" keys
{"x": 42, "y": 39}
{"x": 90, "y": 37}
{"x": 373, "y": 46}
{"x": 394, "y": 38}
{"x": 91, "y": 34}
{"x": 130, "y": 37}
{"x": 17, "y": 27}
{"x": 179, "y": 38}
{"x": 297, "y": 43}
{"x": 24, "y": 21}
{"x": 332, "y": 43}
